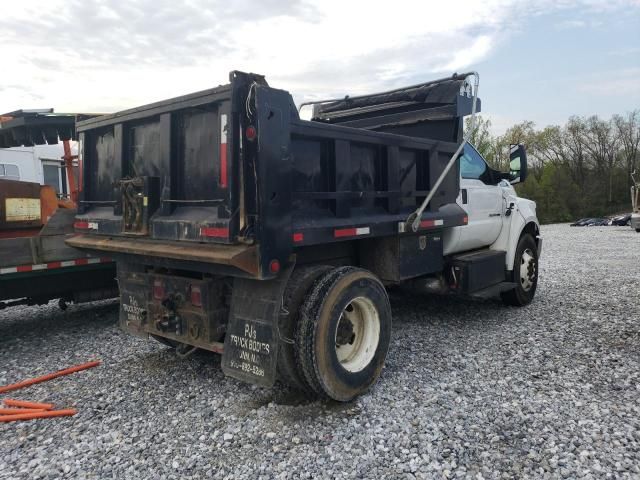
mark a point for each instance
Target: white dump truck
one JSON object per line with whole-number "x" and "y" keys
{"x": 242, "y": 229}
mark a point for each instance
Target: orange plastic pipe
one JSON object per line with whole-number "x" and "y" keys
{"x": 14, "y": 411}
{"x": 31, "y": 416}
{"x": 51, "y": 376}
{"x": 24, "y": 404}
{"x": 68, "y": 163}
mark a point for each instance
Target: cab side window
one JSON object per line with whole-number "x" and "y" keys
{"x": 472, "y": 165}
{"x": 9, "y": 171}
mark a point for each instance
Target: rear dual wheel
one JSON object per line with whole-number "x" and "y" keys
{"x": 298, "y": 285}
{"x": 342, "y": 333}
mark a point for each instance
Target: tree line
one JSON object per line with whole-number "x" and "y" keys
{"x": 580, "y": 169}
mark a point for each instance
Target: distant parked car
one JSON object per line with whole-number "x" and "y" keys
{"x": 581, "y": 223}
{"x": 621, "y": 220}
{"x": 598, "y": 222}
{"x": 588, "y": 222}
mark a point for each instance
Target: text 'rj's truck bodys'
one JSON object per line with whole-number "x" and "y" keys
{"x": 239, "y": 228}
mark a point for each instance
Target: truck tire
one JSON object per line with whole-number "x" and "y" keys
{"x": 343, "y": 333}
{"x": 297, "y": 287}
{"x": 525, "y": 273}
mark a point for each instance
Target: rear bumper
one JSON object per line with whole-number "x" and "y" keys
{"x": 242, "y": 257}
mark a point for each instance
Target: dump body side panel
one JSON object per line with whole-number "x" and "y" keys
{"x": 235, "y": 166}
{"x": 179, "y": 153}
{"x": 353, "y": 184}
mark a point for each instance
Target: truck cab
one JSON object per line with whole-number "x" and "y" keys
{"x": 491, "y": 203}
{"x": 41, "y": 164}
{"x": 497, "y": 217}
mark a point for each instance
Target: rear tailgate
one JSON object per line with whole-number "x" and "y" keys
{"x": 163, "y": 171}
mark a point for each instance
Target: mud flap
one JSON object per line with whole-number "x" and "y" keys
{"x": 133, "y": 302}
{"x": 251, "y": 340}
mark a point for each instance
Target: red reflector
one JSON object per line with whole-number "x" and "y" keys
{"x": 223, "y": 165}
{"x": 431, "y": 223}
{"x": 220, "y": 232}
{"x": 196, "y": 296}
{"x": 158, "y": 290}
{"x": 298, "y": 237}
{"x": 351, "y": 232}
{"x": 251, "y": 133}
{"x": 274, "y": 266}
{"x": 223, "y": 151}
{"x": 81, "y": 225}
{"x": 345, "y": 232}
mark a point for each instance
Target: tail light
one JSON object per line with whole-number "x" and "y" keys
{"x": 251, "y": 133}
{"x": 220, "y": 232}
{"x": 274, "y": 266}
{"x": 196, "y": 296}
{"x": 158, "y": 290}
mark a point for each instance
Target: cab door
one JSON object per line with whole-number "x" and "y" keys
{"x": 482, "y": 199}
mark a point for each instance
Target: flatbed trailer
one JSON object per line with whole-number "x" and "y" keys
{"x": 239, "y": 228}
{"x": 36, "y": 265}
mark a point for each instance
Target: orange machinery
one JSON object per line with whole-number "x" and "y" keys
{"x": 36, "y": 265}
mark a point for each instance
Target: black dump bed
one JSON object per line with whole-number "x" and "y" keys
{"x": 231, "y": 180}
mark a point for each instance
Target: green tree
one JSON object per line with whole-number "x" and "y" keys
{"x": 481, "y": 137}
{"x": 579, "y": 169}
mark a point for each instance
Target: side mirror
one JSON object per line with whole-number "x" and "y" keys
{"x": 517, "y": 164}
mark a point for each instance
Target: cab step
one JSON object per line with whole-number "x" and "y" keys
{"x": 493, "y": 290}
{"x": 476, "y": 271}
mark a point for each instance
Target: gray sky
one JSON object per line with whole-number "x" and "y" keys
{"x": 542, "y": 60}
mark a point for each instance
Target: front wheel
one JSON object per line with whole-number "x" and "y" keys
{"x": 344, "y": 333}
{"x": 525, "y": 273}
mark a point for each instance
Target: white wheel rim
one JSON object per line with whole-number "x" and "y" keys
{"x": 527, "y": 270}
{"x": 357, "y": 334}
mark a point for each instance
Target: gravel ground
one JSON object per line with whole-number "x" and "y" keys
{"x": 470, "y": 389}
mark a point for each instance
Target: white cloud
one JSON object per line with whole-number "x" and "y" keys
{"x": 571, "y": 23}
{"x": 99, "y": 55}
{"x": 621, "y": 83}
{"x": 479, "y": 49}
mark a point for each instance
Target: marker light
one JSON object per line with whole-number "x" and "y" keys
{"x": 251, "y": 133}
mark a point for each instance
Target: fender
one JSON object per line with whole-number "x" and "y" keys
{"x": 523, "y": 217}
